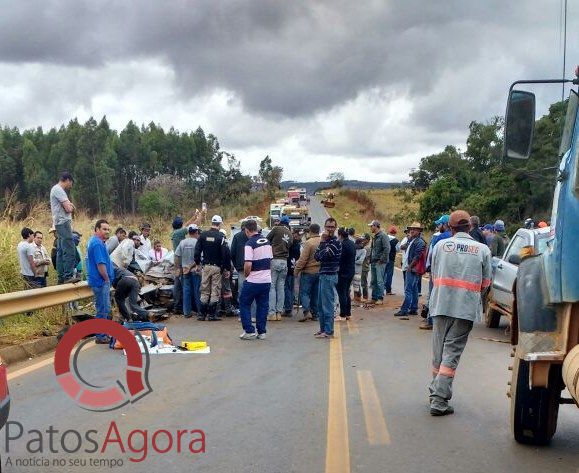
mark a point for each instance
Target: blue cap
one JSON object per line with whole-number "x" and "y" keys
{"x": 499, "y": 226}
{"x": 488, "y": 226}
{"x": 284, "y": 220}
{"x": 177, "y": 222}
{"x": 443, "y": 219}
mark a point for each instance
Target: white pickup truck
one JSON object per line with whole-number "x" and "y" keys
{"x": 500, "y": 299}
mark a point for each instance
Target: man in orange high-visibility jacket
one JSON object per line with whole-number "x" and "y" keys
{"x": 461, "y": 271}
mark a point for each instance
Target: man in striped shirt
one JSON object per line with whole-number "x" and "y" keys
{"x": 257, "y": 271}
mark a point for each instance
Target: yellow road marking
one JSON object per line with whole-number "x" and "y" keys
{"x": 39, "y": 364}
{"x": 376, "y": 429}
{"x": 338, "y": 444}
{"x": 352, "y": 327}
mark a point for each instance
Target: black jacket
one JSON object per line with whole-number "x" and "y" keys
{"x": 477, "y": 235}
{"x": 210, "y": 245}
{"x": 347, "y": 259}
{"x": 238, "y": 250}
{"x": 392, "y": 254}
{"x": 294, "y": 255}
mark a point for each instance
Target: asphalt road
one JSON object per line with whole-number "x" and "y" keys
{"x": 293, "y": 403}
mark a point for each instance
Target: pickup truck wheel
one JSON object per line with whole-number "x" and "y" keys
{"x": 492, "y": 317}
{"x": 534, "y": 411}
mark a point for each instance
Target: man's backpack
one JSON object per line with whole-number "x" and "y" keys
{"x": 420, "y": 266}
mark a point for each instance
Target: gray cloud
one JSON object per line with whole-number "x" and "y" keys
{"x": 320, "y": 73}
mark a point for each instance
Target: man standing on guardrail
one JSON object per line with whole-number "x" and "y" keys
{"x": 100, "y": 274}
{"x": 62, "y": 209}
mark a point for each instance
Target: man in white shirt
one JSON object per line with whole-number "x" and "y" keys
{"x": 26, "y": 270}
{"x": 39, "y": 259}
{"x": 124, "y": 254}
{"x": 146, "y": 245}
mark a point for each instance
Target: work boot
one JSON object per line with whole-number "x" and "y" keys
{"x": 212, "y": 312}
{"x": 202, "y": 312}
{"x": 441, "y": 412}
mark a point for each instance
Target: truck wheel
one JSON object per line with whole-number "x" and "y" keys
{"x": 492, "y": 317}
{"x": 534, "y": 410}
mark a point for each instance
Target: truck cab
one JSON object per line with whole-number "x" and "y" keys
{"x": 545, "y": 320}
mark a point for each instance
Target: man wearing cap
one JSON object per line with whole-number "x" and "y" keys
{"x": 461, "y": 270}
{"x": 389, "y": 271}
{"x": 188, "y": 272}
{"x": 210, "y": 251}
{"x": 179, "y": 233}
{"x": 280, "y": 238}
{"x": 442, "y": 233}
{"x": 379, "y": 256}
{"x": 500, "y": 240}
{"x": 308, "y": 271}
{"x": 61, "y": 208}
{"x": 416, "y": 245}
{"x": 146, "y": 244}
{"x": 488, "y": 230}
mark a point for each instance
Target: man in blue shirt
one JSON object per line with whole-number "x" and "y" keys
{"x": 100, "y": 273}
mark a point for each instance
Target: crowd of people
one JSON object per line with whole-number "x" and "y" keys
{"x": 326, "y": 265}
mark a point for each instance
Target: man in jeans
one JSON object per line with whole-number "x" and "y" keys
{"x": 100, "y": 273}
{"x": 379, "y": 254}
{"x": 414, "y": 250}
{"x": 280, "y": 238}
{"x": 61, "y": 208}
{"x": 257, "y": 271}
{"x": 328, "y": 254}
{"x": 389, "y": 273}
{"x": 307, "y": 270}
{"x": 188, "y": 271}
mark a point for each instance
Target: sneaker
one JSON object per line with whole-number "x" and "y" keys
{"x": 400, "y": 314}
{"x": 339, "y": 318}
{"x": 278, "y": 316}
{"x": 390, "y": 293}
{"x": 425, "y": 326}
{"x": 248, "y": 336}
{"x": 317, "y": 333}
{"x": 72, "y": 280}
{"x": 441, "y": 412}
{"x": 321, "y": 335}
{"x": 261, "y": 336}
{"x": 103, "y": 341}
{"x": 271, "y": 317}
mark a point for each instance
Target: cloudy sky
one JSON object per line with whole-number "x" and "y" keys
{"x": 365, "y": 88}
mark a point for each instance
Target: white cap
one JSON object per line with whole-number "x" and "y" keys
{"x": 192, "y": 227}
{"x": 216, "y": 219}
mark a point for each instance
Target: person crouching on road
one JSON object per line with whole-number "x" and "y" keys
{"x": 100, "y": 274}
{"x": 345, "y": 274}
{"x": 461, "y": 270}
{"x": 328, "y": 254}
{"x": 210, "y": 246}
{"x": 257, "y": 272}
{"x": 126, "y": 287}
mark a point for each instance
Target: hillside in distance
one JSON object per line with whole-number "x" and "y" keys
{"x": 311, "y": 187}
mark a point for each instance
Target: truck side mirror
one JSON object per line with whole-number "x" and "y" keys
{"x": 514, "y": 259}
{"x": 519, "y": 124}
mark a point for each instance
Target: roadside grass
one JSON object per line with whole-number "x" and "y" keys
{"x": 357, "y": 208}
{"x": 45, "y": 322}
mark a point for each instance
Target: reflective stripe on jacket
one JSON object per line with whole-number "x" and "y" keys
{"x": 461, "y": 269}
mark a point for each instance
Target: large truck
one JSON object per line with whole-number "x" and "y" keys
{"x": 298, "y": 216}
{"x": 545, "y": 320}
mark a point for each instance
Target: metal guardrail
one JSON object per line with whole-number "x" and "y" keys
{"x": 24, "y": 301}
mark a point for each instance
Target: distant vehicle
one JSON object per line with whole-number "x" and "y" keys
{"x": 328, "y": 201}
{"x": 298, "y": 216}
{"x": 500, "y": 299}
{"x": 4, "y": 394}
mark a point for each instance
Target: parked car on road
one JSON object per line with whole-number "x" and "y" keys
{"x": 500, "y": 298}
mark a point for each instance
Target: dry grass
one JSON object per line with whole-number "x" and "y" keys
{"x": 49, "y": 321}
{"x": 357, "y": 208}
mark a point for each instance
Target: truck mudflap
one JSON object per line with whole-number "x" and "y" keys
{"x": 536, "y": 320}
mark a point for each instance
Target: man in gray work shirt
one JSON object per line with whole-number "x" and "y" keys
{"x": 62, "y": 208}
